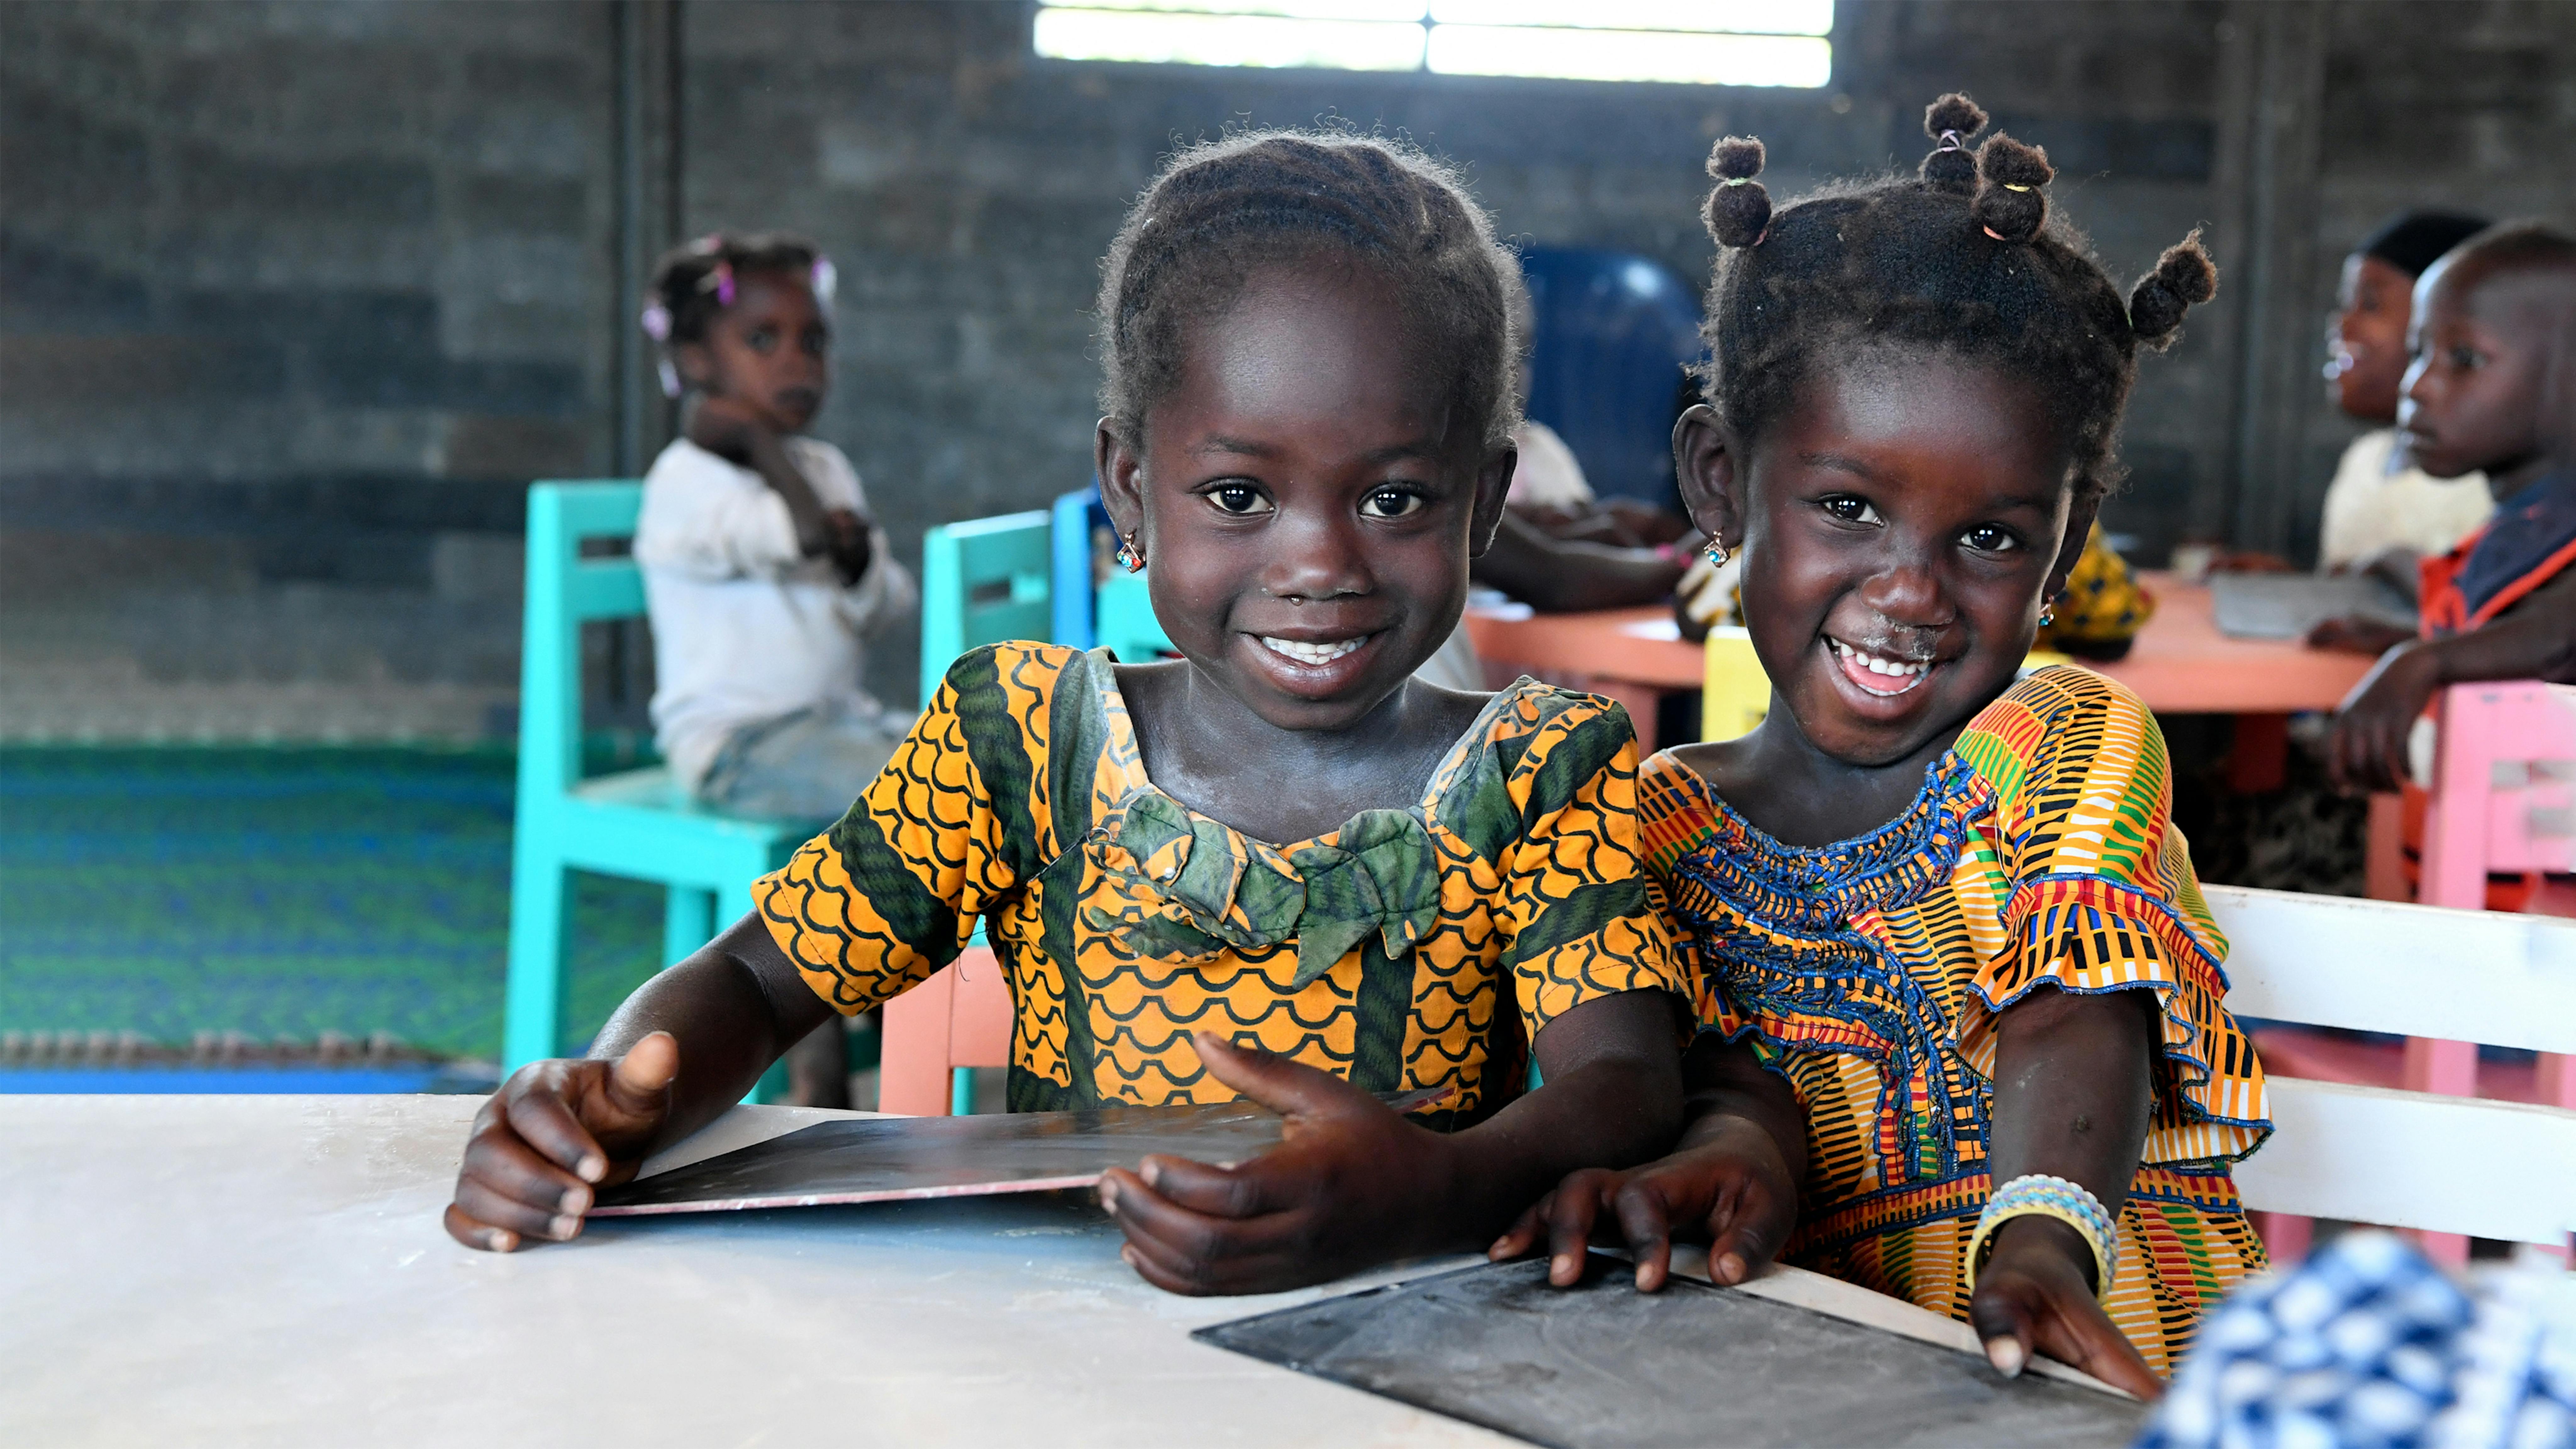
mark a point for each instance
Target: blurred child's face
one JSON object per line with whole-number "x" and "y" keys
{"x": 1901, "y": 526}
{"x": 768, "y": 356}
{"x": 2473, "y": 392}
{"x": 2368, "y": 342}
{"x": 1305, "y": 500}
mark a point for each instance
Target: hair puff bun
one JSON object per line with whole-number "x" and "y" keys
{"x": 1951, "y": 120}
{"x": 2184, "y": 277}
{"x": 2010, "y": 205}
{"x": 1739, "y": 209}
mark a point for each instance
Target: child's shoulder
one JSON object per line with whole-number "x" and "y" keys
{"x": 1533, "y": 750}
{"x": 1017, "y": 667}
{"x": 2066, "y": 712}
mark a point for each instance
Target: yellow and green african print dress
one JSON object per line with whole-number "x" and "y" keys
{"x": 1869, "y": 972}
{"x": 1411, "y": 948}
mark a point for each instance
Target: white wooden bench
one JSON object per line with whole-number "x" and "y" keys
{"x": 2445, "y": 1165}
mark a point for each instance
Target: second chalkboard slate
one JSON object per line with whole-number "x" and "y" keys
{"x": 1602, "y": 1366}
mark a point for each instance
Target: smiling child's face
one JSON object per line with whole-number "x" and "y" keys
{"x": 1306, "y": 499}
{"x": 768, "y": 356}
{"x": 2369, "y": 338}
{"x": 2473, "y": 393}
{"x": 1901, "y": 526}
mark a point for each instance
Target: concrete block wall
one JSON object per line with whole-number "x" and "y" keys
{"x": 306, "y": 292}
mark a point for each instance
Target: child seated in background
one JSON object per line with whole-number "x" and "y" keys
{"x": 1963, "y": 1037}
{"x": 2383, "y": 513}
{"x": 762, "y": 570}
{"x": 1308, "y": 349}
{"x": 2492, "y": 387}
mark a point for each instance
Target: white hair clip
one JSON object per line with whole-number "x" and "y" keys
{"x": 826, "y": 280}
{"x": 657, "y": 322}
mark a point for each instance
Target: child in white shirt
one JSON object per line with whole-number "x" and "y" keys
{"x": 761, "y": 567}
{"x": 763, "y": 570}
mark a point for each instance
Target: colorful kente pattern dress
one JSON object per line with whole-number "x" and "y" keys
{"x": 1411, "y": 948}
{"x": 1869, "y": 972}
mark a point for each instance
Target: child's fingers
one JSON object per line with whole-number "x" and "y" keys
{"x": 1290, "y": 1088}
{"x": 639, "y": 1084}
{"x": 1745, "y": 1232}
{"x": 481, "y": 1203}
{"x": 539, "y": 1115}
{"x": 1157, "y": 1264}
{"x": 1646, "y": 1221}
{"x": 2080, "y": 1333}
{"x": 472, "y": 1234}
{"x": 2002, "y": 1322}
{"x": 1225, "y": 1192}
{"x": 1187, "y": 1248}
{"x": 1569, "y": 1226}
{"x": 1523, "y": 1234}
{"x": 504, "y": 1164}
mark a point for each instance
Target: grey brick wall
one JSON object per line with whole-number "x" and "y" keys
{"x": 295, "y": 297}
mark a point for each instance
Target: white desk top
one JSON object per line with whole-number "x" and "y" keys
{"x": 270, "y": 1271}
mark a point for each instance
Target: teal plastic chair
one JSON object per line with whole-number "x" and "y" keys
{"x": 1119, "y": 614}
{"x": 983, "y": 581}
{"x": 636, "y": 823}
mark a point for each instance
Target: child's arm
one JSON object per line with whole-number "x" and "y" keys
{"x": 1354, "y": 1184}
{"x": 2536, "y": 639}
{"x": 739, "y": 438}
{"x": 683, "y": 1048}
{"x": 1732, "y": 1179}
{"x": 2072, "y": 1098}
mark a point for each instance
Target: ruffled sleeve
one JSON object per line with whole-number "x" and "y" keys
{"x": 878, "y": 903}
{"x": 2095, "y": 892}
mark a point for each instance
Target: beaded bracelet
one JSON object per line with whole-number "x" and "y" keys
{"x": 2038, "y": 1194}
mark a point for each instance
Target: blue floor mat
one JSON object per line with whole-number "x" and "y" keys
{"x": 281, "y": 893}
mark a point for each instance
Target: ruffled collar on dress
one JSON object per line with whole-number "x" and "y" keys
{"x": 1378, "y": 874}
{"x": 1816, "y": 890}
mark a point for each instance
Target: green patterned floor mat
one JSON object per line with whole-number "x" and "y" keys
{"x": 280, "y": 893}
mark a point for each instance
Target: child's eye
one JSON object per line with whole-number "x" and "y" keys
{"x": 1392, "y": 503}
{"x": 2465, "y": 358}
{"x": 762, "y": 340}
{"x": 1849, "y": 509}
{"x": 1991, "y": 538}
{"x": 1239, "y": 499}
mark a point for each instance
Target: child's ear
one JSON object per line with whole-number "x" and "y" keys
{"x": 1707, "y": 460}
{"x": 2070, "y": 545}
{"x": 1120, "y": 470}
{"x": 1493, "y": 490}
{"x": 696, "y": 365}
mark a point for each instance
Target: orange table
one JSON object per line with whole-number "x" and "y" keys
{"x": 2180, "y": 664}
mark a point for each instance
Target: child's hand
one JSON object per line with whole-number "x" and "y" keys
{"x": 1350, "y": 1184}
{"x": 2032, "y": 1296}
{"x": 2368, "y": 749}
{"x": 2356, "y": 634}
{"x": 1733, "y": 1189}
{"x": 850, "y": 543}
{"x": 554, "y": 1132}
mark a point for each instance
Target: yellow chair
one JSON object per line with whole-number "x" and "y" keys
{"x": 1735, "y": 694}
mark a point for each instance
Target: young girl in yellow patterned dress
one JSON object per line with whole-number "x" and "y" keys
{"x": 1309, "y": 361}
{"x": 1962, "y": 1034}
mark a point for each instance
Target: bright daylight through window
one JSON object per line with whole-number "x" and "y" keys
{"x": 1688, "y": 42}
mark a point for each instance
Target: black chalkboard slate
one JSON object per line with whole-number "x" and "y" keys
{"x": 1602, "y": 1366}
{"x": 882, "y": 1159}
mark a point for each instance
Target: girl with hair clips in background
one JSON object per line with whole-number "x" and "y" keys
{"x": 1962, "y": 1034}
{"x": 762, "y": 570}
{"x": 1278, "y": 867}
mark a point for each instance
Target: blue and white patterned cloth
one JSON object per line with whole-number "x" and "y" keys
{"x": 2366, "y": 1345}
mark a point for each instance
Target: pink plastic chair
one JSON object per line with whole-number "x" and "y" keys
{"x": 2504, "y": 801}
{"x": 957, "y": 1019}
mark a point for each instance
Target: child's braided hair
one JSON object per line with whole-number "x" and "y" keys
{"x": 695, "y": 280}
{"x": 1964, "y": 257}
{"x": 1222, "y": 209}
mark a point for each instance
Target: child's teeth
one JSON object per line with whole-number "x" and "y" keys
{"x": 1305, "y": 653}
{"x": 1898, "y": 668}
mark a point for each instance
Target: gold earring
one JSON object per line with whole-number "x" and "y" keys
{"x": 1130, "y": 557}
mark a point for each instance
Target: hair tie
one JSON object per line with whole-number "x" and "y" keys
{"x": 1737, "y": 181}
{"x": 2015, "y": 186}
{"x": 825, "y": 280}
{"x": 657, "y": 322}
{"x": 1949, "y": 142}
{"x": 719, "y": 280}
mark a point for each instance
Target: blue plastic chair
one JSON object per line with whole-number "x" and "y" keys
{"x": 982, "y": 582}
{"x": 636, "y": 823}
{"x": 1611, "y": 335}
{"x": 1119, "y": 613}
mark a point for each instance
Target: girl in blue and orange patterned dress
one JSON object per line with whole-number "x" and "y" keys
{"x": 1962, "y": 1038}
